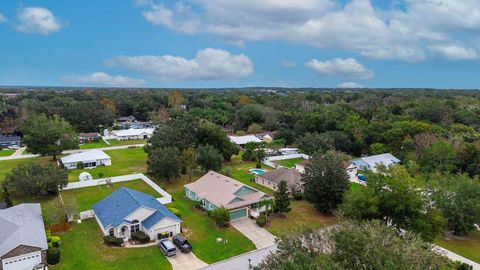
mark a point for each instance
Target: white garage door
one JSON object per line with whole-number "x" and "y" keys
{"x": 23, "y": 262}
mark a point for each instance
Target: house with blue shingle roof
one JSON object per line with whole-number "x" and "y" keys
{"x": 126, "y": 211}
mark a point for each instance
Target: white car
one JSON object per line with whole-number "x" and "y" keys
{"x": 13, "y": 147}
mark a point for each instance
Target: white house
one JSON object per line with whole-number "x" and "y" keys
{"x": 23, "y": 243}
{"x": 242, "y": 140}
{"x": 370, "y": 163}
{"x": 130, "y": 134}
{"x": 126, "y": 211}
{"x": 89, "y": 159}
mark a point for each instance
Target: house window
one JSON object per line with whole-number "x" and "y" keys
{"x": 135, "y": 227}
{"x": 204, "y": 203}
{"x": 111, "y": 232}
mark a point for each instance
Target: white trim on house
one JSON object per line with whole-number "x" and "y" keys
{"x": 89, "y": 159}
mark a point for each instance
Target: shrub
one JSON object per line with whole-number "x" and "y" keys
{"x": 227, "y": 171}
{"x": 80, "y": 165}
{"x": 258, "y": 165}
{"x": 140, "y": 237}
{"x": 100, "y": 174}
{"x": 112, "y": 241}
{"x": 298, "y": 196}
{"x": 175, "y": 211}
{"x": 53, "y": 256}
{"x": 221, "y": 216}
{"x": 55, "y": 240}
{"x": 261, "y": 220}
{"x": 197, "y": 205}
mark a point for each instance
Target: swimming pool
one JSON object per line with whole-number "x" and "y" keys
{"x": 258, "y": 171}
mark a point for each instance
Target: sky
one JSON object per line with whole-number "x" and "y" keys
{"x": 240, "y": 43}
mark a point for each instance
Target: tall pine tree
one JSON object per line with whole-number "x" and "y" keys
{"x": 282, "y": 200}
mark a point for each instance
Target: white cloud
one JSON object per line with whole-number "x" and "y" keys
{"x": 288, "y": 64}
{"x": 349, "y": 85}
{"x": 344, "y": 68}
{"x": 208, "y": 64}
{"x": 37, "y": 20}
{"x": 103, "y": 79}
{"x": 398, "y": 32}
{"x": 2, "y": 18}
{"x": 454, "y": 52}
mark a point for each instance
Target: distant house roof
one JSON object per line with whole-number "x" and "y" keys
{"x": 4, "y": 138}
{"x": 133, "y": 132}
{"x": 291, "y": 176}
{"x": 22, "y": 225}
{"x": 371, "y": 162}
{"x": 241, "y": 140}
{"x": 88, "y": 155}
{"x": 89, "y": 135}
{"x": 113, "y": 209}
{"x": 223, "y": 190}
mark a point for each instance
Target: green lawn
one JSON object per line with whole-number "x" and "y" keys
{"x": 6, "y": 152}
{"x": 83, "y": 248}
{"x": 87, "y": 197}
{"x": 100, "y": 143}
{"x": 124, "y": 161}
{"x": 203, "y": 233}
{"x": 126, "y": 142}
{"x": 6, "y": 166}
{"x": 289, "y": 163}
{"x": 468, "y": 247}
{"x": 355, "y": 186}
{"x": 240, "y": 172}
{"x": 302, "y": 213}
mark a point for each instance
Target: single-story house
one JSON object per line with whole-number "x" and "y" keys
{"x": 350, "y": 168}
{"x": 130, "y": 134}
{"x": 89, "y": 158}
{"x": 23, "y": 243}
{"x": 370, "y": 163}
{"x": 214, "y": 190}
{"x": 272, "y": 178}
{"x": 9, "y": 141}
{"x": 89, "y": 137}
{"x": 126, "y": 211}
{"x": 243, "y": 140}
{"x": 288, "y": 151}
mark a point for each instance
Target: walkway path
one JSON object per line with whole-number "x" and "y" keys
{"x": 455, "y": 257}
{"x": 243, "y": 261}
{"x": 259, "y": 236}
{"x": 20, "y": 156}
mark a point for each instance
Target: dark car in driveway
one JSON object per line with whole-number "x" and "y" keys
{"x": 182, "y": 243}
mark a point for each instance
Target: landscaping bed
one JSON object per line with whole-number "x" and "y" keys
{"x": 83, "y": 248}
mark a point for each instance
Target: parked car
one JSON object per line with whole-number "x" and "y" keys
{"x": 12, "y": 147}
{"x": 167, "y": 247}
{"x": 182, "y": 243}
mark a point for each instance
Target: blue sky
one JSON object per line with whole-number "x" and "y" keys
{"x": 229, "y": 43}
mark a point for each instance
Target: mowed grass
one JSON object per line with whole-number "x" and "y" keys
{"x": 98, "y": 144}
{"x": 88, "y": 196}
{"x": 302, "y": 214}
{"x": 6, "y": 152}
{"x": 202, "y": 232}
{"x": 240, "y": 172}
{"x": 6, "y": 166}
{"x": 124, "y": 161}
{"x": 126, "y": 142}
{"x": 468, "y": 247}
{"x": 288, "y": 163}
{"x": 83, "y": 248}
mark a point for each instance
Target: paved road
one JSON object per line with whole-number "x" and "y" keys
{"x": 186, "y": 261}
{"x": 455, "y": 257}
{"x": 20, "y": 156}
{"x": 259, "y": 236}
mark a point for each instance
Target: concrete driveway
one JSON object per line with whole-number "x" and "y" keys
{"x": 186, "y": 261}
{"x": 259, "y": 236}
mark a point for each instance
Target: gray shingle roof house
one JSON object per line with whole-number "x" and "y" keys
{"x": 23, "y": 242}
{"x": 126, "y": 211}
{"x": 7, "y": 141}
{"x": 215, "y": 190}
{"x": 272, "y": 178}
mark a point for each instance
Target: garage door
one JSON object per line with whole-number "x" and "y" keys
{"x": 238, "y": 214}
{"x": 27, "y": 261}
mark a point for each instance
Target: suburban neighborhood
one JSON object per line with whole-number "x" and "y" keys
{"x": 240, "y": 135}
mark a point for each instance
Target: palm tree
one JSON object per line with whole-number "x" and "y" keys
{"x": 269, "y": 205}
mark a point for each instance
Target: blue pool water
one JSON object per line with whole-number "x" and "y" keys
{"x": 258, "y": 171}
